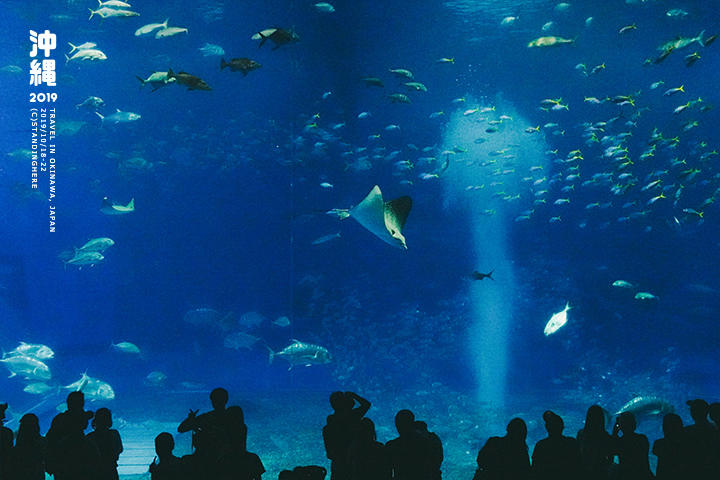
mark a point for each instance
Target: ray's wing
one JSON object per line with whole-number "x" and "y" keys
{"x": 370, "y": 213}
{"x": 396, "y": 212}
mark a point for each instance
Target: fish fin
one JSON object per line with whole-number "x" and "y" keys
{"x": 131, "y": 205}
{"x": 263, "y": 39}
{"x": 141, "y": 81}
{"x": 170, "y": 74}
{"x": 271, "y": 354}
{"x": 166, "y": 22}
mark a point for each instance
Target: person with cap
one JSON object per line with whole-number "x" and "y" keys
{"x": 556, "y": 457}
{"x": 702, "y": 442}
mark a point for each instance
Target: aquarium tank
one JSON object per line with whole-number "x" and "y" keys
{"x": 472, "y": 209}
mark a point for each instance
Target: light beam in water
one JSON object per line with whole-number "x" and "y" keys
{"x": 489, "y": 182}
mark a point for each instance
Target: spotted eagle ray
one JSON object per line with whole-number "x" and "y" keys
{"x": 384, "y": 219}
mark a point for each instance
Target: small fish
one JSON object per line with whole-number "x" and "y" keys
{"x": 416, "y": 86}
{"x": 91, "y": 103}
{"x": 190, "y": 81}
{"x": 623, "y": 284}
{"x": 324, "y": 7}
{"x": 550, "y": 42}
{"x": 150, "y": 27}
{"x": 126, "y": 347}
{"x": 96, "y": 245}
{"x": 210, "y": 50}
{"x": 112, "y": 209}
{"x": 326, "y": 185}
{"x": 326, "y": 238}
{"x": 372, "y": 82}
{"x": 84, "y": 46}
{"x": 88, "y": 55}
{"x": 36, "y": 350}
{"x": 282, "y": 322}
{"x": 114, "y": 4}
{"x": 106, "y": 12}
{"x": 691, "y": 59}
{"x": 156, "y": 80}
{"x": 645, "y": 296}
{"x": 119, "y": 117}
{"x": 278, "y": 36}
{"x": 558, "y": 319}
{"x": 398, "y": 98}
{"x": 673, "y": 91}
{"x": 85, "y": 258}
{"x": 481, "y": 276}
{"x": 401, "y": 73}
{"x": 242, "y": 65}
{"x": 299, "y": 353}
{"x": 677, "y": 13}
{"x": 170, "y": 32}
{"x": 656, "y": 85}
{"x": 445, "y": 60}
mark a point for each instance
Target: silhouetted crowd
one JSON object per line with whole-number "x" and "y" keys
{"x": 219, "y": 440}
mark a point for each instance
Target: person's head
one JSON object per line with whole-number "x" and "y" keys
{"x": 75, "y": 401}
{"x": 337, "y": 401}
{"x": 595, "y": 420}
{"x": 102, "y": 419}
{"x": 626, "y": 422}
{"x": 164, "y": 444}
{"x": 421, "y": 427}
{"x": 405, "y": 422}
{"x": 29, "y": 425}
{"x": 219, "y": 398}
{"x": 517, "y": 430}
{"x": 699, "y": 410}
{"x": 554, "y": 424}
{"x": 672, "y": 425}
{"x": 366, "y": 430}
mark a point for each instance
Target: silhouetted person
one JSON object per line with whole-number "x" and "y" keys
{"x": 631, "y": 448}
{"x": 108, "y": 443}
{"x": 209, "y": 434}
{"x": 405, "y": 454}
{"x": 432, "y": 450}
{"x": 714, "y": 409}
{"x": 715, "y": 417}
{"x": 6, "y": 445}
{"x": 237, "y": 463}
{"x": 166, "y": 465}
{"x": 366, "y": 456}
{"x": 671, "y": 450}
{"x": 556, "y": 457}
{"x": 341, "y": 430}
{"x": 505, "y": 458}
{"x": 64, "y": 424}
{"x": 596, "y": 450}
{"x": 30, "y": 450}
{"x": 78, "y": 457}
{"x": 702, "y": 443}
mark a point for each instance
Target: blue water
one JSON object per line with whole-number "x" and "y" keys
{"x": 227, "y": 212}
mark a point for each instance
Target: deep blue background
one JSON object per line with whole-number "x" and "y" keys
{"x": 226, "y": 216}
